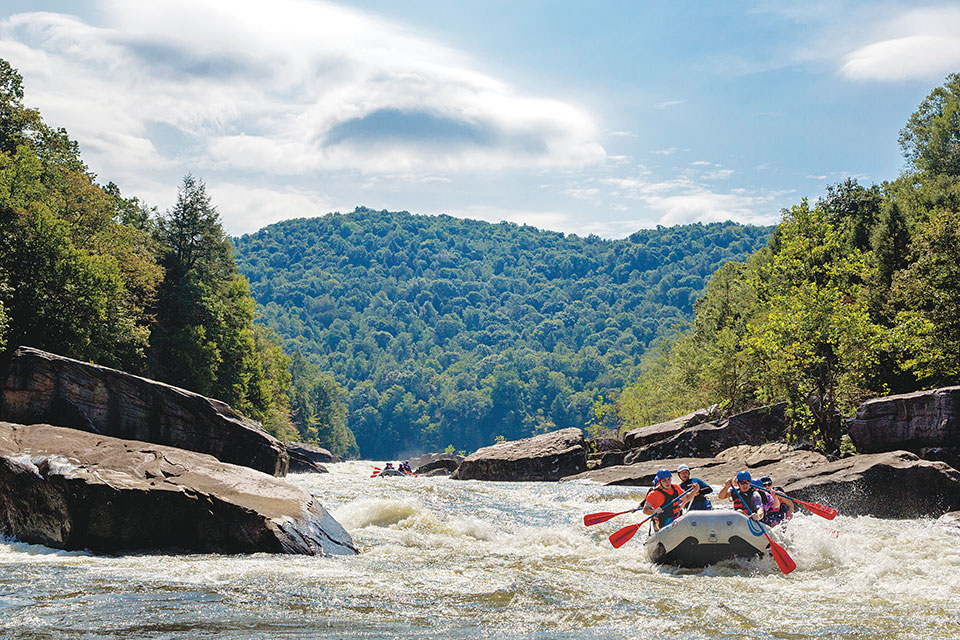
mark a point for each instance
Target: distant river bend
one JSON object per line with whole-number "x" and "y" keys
{"x": 449, "y": 559}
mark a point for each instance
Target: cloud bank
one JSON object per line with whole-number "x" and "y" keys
{"x": 290, "y": 88}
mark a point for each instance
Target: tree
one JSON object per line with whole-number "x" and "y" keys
{"x": 931, "y": 138}
{"x": 928, "y": 295}
{"x": 814, "y": 342}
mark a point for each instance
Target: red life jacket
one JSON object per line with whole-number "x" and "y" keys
{"x": 670, "y": 512}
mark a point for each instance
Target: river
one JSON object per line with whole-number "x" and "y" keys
{"x": 448, "y": 559}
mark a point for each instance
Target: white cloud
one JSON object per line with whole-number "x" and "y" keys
{"x": 248, "y": 208}
{"x": 669, "y": 103}
{"x": 292, "y": 88}
{"x": 923, "y": 44}
{"x": 667, "y": 152}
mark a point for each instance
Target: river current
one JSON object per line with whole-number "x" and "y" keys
{"x": 448, "y": 559}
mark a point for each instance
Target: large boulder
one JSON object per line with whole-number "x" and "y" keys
{"x": 925, "y": 422}
{"x": 656, "y": 432}
{"x": 71, "y": 489}
{"x": 895, "y": 484}
{"x": 546, "y": 457}
{"x": 40, "y": 387}
{"x": 308, "y": 458}
{"x": 708, "y": 439}
{"x": 442, "y": 460}
{"x": 439, "y": 467}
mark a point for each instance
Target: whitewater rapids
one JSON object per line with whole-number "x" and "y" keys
{"x": 465, "y": 559}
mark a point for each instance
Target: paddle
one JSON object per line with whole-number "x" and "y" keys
{"x": 376, "y": 472}
{"x": 621, "y": 536}
{"x": 596, "y": 518}
{"x": 780, "y": 555}
{"x": 821, "y": 510}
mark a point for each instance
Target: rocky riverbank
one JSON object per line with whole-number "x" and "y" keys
{"x": 893, "y": 478}
{"x": 94, "y": 458}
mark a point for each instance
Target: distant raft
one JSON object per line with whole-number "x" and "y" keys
{"x": 701, "y": 538}
{"x": 393, "y": 472}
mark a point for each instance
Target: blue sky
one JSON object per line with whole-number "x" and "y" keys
{"x": 600, "y": 117}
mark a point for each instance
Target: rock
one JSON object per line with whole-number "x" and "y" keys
{"x": 434, "y": 473}
{"x": 546, "y": 457}
{"x": 308, "y": 458}
{"x": 894, "y": 484}
{"x": 445, "y": 466}
{"x": 708, "y": 439}
{"x": 605, "y": 459}
{"x": 886, "y": 485}
{"x": 71, "y": 489}
{"x": 41, "y": 387}
{"x": 925, "y": 422}
{"x": 663, "y": 430}
{"x": 429, "y": 458}
{"x": 641, "y": 474}
{"x": 602, "y": 445}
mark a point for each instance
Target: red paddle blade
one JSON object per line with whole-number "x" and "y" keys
{"x": 781, "y": 557}
{"x": 596, "y": 518}
{"x": 375, "y": 473}
{"x": 821, "y": 510}
{"x": 620, "y": 537}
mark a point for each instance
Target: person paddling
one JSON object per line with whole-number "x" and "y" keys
{"x": 781, "y": 508}
{"x": 662, "y": 493}
{"x": 700, "y": 503}
{"x": 745, "y": 492}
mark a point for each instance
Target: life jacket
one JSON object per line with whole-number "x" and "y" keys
{"x": 700, "y": 503}
{"x": 670, "y": 512}
{"x": 748, "y": 496}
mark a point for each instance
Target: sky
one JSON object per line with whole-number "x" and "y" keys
{"x": 593, "y": 117}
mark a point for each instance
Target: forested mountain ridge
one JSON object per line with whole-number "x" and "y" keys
{"x": 452, "y": 331}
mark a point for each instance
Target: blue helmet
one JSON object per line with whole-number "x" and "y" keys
{"x": 663, "y": 474}
{"x": 743, "y": 476}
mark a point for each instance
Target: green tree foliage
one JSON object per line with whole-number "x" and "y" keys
{"x": 813, "y": 342}
{"x": 857, "y": 295}
{"x": 78, "y": 281}
{"x": 84, "y": 271}
{"x": 931, "y": 138}
{"x": 442, "y": 330}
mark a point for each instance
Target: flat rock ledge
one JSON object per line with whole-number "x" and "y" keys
{"x": 71, "y": 489}
{"x": 543, "y": 458}
{"x": 41, "y": 387}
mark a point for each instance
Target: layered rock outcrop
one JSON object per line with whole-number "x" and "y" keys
{"x": 546, "y": 457}
{"x": 708, "y": 439}
{"x": 41, "y": 387}
{"x": 71, "y": 489}
{"x": 308, "y": 458}
{"x": 926, "y": 423}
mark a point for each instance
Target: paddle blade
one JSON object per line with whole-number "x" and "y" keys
{"x": 596, "y": 518}
{"x": 781, "y": 557}
{"x": 622, "y": 536}
{"x": 821, "y": 510}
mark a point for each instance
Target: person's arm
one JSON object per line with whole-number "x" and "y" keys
{"x": 649, "y": 508}
{"x": 704, "y": 487}
{"x": 725, "y": 492}
{"x": 687, "y": 499}
{"x": 757, "y": 506}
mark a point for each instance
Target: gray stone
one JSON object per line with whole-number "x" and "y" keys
{"x": 546, "y": 457}
{"x": 663, "y": 430}
{"x": 308, "y": 458}
{"x": 925, "y": 422}
{"x": 71, "y": 489}
{"x": 41, "y": 387}
{"x": 708, "y": 439}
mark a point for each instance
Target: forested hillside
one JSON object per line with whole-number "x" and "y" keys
{"x": 857, "y": 295}
{"x": 445, "y": 331}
